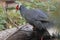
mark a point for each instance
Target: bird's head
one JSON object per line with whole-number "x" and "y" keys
{"x": 18, "y": 5}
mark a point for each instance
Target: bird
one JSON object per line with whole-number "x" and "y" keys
{"x": 35, "y": 17}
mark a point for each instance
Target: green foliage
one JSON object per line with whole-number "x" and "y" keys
{"x": 2, "y": 20}
{"x": 17, "y": 17}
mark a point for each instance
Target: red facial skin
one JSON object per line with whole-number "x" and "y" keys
{"x": 17, "y": 7}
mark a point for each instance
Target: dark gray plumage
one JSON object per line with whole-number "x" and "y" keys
{"x": 35, "y": 17}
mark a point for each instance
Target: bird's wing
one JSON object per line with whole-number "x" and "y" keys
{"x": 42, "y": 17}
{"x": 39, "y": 15}
{"x": 36, "y": 16}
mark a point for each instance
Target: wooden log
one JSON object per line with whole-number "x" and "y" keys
{"x": 16, "y": 34}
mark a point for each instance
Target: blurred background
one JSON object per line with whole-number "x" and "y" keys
{"x": 10, "y": 18}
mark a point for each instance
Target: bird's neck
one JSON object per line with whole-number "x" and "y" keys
{"x": 23, "y": 8}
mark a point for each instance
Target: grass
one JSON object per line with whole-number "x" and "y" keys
{"x": 13, "y": 15}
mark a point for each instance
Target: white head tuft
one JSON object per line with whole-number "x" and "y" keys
{"x": 18, "y": 3}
